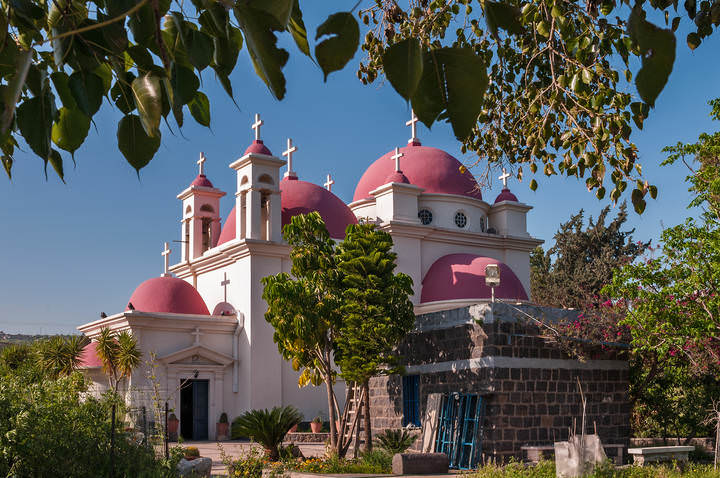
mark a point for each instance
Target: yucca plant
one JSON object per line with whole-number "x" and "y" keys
{"x": 268, "y": 428}
{"x": 61, "y": 355}
{"x": 395, "y": 441}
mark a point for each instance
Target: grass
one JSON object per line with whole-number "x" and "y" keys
{"x": 546, "y": 469}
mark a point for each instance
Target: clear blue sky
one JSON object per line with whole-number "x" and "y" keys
{"x": 72, "y": 250}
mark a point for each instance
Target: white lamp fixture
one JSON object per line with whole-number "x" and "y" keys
{"x": 492, "y": 278}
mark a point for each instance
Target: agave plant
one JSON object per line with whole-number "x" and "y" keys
{"x": 395, "y": 441}
{"x": 59, "y": 356}
{"x": 268, "y": 428}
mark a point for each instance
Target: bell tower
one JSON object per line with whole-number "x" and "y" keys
{"x": 200, "y": 224}
{"x": 257, "y": 200}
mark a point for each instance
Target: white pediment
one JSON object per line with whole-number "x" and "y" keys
{"x": 197, "y": 355}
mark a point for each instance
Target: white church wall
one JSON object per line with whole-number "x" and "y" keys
{"x": 409, "y": 250}
{"x": 444, "y": 207}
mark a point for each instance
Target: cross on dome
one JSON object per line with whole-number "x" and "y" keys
{"x": 256, "y": 126}
{"x": 225, "y": 283}
{"x": 289, "y": 152}
{"x": 413, "y": 126}
{"x": 166, "y": 255}
{"x": 504, "y": 177}
{"x": 329, "y": 183}
{"x": 397, "y": 157}
{"x": 201, "y": 163}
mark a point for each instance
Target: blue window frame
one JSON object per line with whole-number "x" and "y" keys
{"x": 411, "y": 400}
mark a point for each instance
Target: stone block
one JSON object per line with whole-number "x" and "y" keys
{"x": 420, "y": 463}
{"x": 197, "y": 468}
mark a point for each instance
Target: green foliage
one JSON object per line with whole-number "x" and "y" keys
{"x": 572, "y": 273}
{"x": 376, "y": 308}
{"x": 268, "y": 428}
{"x": 546, "y": 469}
{"x": 367, "y": 463}
{"x": 191, "y": 451}
{"x": 60, "y": 355}
{"x": 395, "y": 441}
{"x": 119, "y": 353}
{"x": 249, "y": 465}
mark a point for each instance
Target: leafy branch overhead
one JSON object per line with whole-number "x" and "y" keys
{"x": 533, "y": 83}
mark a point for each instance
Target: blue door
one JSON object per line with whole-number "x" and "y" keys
{"x": 459, "y": 428}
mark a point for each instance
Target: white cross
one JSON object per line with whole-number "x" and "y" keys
{"x": 256, "y": 126}
{"x": 504, "y": 177}
{"x": 225, "y": 283}
{"x": 397, "y": 157}
{"x": 289, "y": 152}
{"x": 166, "y": 255}
{"x": 413, "y": 126}
{"x": 201, "y": 163}
{"x": 328, "y": 184}
{"x": 197, "y": 335}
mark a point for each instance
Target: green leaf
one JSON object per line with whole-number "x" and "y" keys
{"x": 141, "y": 57}
{"x": 258, "y": 27}
{"x": 137, "y": 147}
{"x": 693, "y": 40}
{"x": 429, "y": 98}
{"x": 296, "y": 27}
{"x": 279, "y": 9}
{"x": 657, "y": 47}
{"x": 638, "y": 201}
{"x": 70, "y": 130}
{"x": 533, "y": 185}
{"x": 34, "y": 118}
{"x": 7, "y": 163}
{"x": 147, "y": 93}
{"x": 61, "y": 81}
{"x": 121, "y": 93}
{"x": 226, "y": 52}
{"x": 184, "y": 84}
{"x": 88, "y": 90}
{"x": 334, "y": 52}
{"x": 502, "y": 15}
{"x": 199, "y": 49}
{"x": 200, "y": 108}
{"x": 403, "y": 65}
{"x": 56, "y": 162}
{"x": 466, "y": 79}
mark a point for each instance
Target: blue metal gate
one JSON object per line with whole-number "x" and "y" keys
{"x": 460, "y": 429}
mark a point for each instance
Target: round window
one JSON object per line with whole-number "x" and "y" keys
{"x": 460, "y": 219}
{"x": 425, "y": 216}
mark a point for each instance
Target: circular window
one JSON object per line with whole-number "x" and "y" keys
{"x": 460, "y": 219}
{"x": 425, "y": 216}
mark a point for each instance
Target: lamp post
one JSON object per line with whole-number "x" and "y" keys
{"x": 492, "y": 279}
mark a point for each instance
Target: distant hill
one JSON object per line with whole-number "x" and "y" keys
{"x": 10, "y": 339}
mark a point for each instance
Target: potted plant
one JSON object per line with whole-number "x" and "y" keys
{"x": 316, "y": 424}
{"x": 173, "y": 424}
{"x": 222, "y": 427}
{"x": 191, "y": 452}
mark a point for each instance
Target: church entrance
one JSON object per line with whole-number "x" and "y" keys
{"x": 194, "y": 410}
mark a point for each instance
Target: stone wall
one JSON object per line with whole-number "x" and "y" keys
{"x": 529, "y": 386}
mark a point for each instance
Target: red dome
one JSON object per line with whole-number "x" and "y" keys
{"x": 201, "y": 180}
{"x": 462, "y": 276}
{"x": 397, "y": 177}
{"x": 89, "y": 357}
{"x": 168, "y": 295}
{"x": 302, "y": 197}
{"x": 506, "y": 195}
{"x": 258, "y": 147}
{"x": 430, "y": 168}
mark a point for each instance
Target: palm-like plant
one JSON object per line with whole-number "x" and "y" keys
{"x": 268, "y": 428}
{"x": 395, "y": 441}
{"x": 119, "y": 353}
{"x": 60, "y": 356}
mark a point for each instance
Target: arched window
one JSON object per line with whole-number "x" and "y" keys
{"x": 482, "y": 224}
{"x": 265, "y": 178}
{"x": 265, "y": 216}
{"x": 425, "y": 216}
{"x": 460, "y": 219}
{"x": 187, "y": 239}
{"x": 207, "y": 208}
{"x": 188, "y": 209}
{"x": 241, "y": 215}
{"x": 244, "y": 180}
{"x": 206, "y": 233}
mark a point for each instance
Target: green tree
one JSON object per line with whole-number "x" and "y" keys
{"x": 319, "y": 312}
{"x": 572, "y": 273}
{"x": 61, "y": 355}
{"x": 119, "y": 353}
{"x": 376, "y": 308}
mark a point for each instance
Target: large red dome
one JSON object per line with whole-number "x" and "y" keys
{"x": 430, "y": 168}
{"x": 302, "y": 197}
{"x": 168, "y": 295}
{"x": 462, "y": 276}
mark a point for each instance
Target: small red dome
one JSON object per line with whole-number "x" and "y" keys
{"x": 397, "y": 177}
{"x": 168, "y": 295}
{"x": 302, "y": 197}
{"x": 201, "y": 180}
{"x": 430, "y": 168}
{"x": 258, "y": 147}
{"x": 506, "y": 195}
{"x": 462, "y": 276}
{"x": 89, "y": 357}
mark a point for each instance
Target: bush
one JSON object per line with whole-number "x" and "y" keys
{"x": 268, "y": 428}
{"x": 395, "y": 441}
{"x": 191, "y": 451}
{"x": 249, "y": 465}
{"x": 546, "y": 469}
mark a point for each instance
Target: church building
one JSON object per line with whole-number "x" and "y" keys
{"x": 203, "y": 319}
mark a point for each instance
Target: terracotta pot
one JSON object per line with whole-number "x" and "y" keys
{"x": 315, "y": 427}
{"x": 293, "y": 429}
{"x": 221, "y": 431}
{"x": 173, "y": 425}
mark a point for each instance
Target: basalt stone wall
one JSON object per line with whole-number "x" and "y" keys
{"x": 529, "y": 386}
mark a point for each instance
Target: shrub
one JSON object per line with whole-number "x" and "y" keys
{"x": 268, "y": 428}
{"x": 249, "y": 465}
{"x": 395, "y": 441}
{"x": 191, "y": 451}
